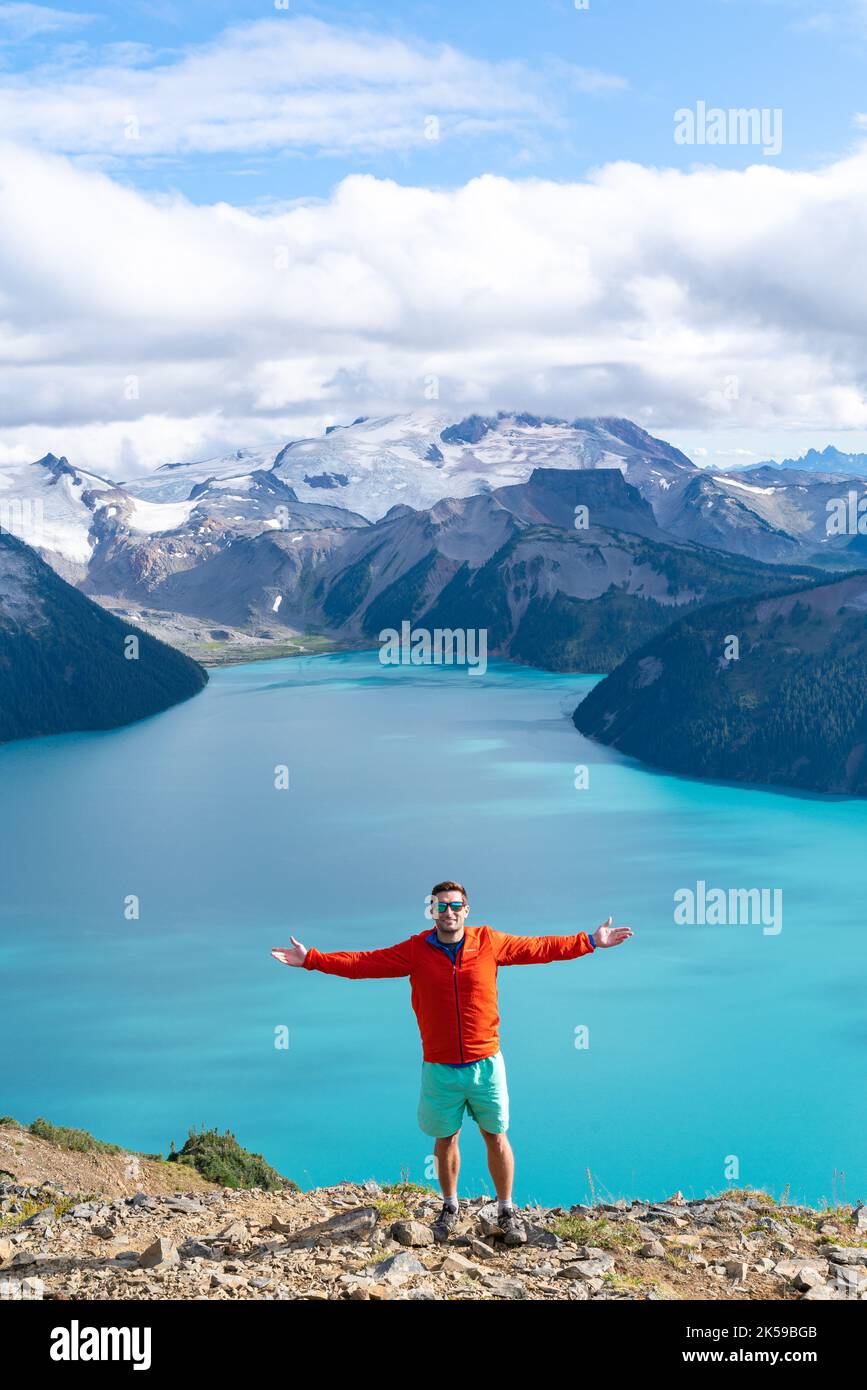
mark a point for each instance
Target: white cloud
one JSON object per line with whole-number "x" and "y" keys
{"x": 20, "y": 21}
{"x": 685, "y": 300}
{"x": 280, "y": 84}
{"x": 590, "y": 79}
{"x": 849, "y": 16}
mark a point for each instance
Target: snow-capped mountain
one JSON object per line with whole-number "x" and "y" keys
{"x": 511, "y": 561}
{"x": 772, "y": 514}
{"x": 419, "y": 458}
{"x": 99, "y": 534}
{"x": 173, "y": 482}
{"x": 50, "y": 505}
{"x": 331, "y": 577}
{"x": 122, "y": 537}
{"x": 128, "y": 539}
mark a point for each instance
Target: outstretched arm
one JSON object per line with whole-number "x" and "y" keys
{"x": 388, "y": 963}
{"x": 537, "y": 950}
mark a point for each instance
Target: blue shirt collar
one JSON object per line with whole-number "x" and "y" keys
{"x": 435, "y": 941}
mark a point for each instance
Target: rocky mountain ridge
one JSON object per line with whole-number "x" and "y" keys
{"x": 126, "y": 537}
{"x": 372, "y": 1242}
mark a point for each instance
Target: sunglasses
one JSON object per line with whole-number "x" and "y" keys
{"x": 455, "y": 907}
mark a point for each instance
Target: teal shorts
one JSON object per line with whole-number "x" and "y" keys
{"x": 446, "y": 1091}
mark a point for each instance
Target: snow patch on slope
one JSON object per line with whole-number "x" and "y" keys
{"x": 155, "y": 517}
{"x": 44, "y": 508}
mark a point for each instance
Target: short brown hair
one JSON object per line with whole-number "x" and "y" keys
{"x": 450, "y": 886}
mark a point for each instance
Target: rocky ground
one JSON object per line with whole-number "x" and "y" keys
{"x": 220, "y": 644}
{"x": 114, "y": 1229}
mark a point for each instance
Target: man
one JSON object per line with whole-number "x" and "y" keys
{"x": 453, "y": 975}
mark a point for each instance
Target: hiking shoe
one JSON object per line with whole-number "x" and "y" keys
{"x": 445, "y": 1223}
{"x": 512, "y": 1227}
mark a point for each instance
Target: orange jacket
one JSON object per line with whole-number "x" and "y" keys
{"x": 456, "y": 1005}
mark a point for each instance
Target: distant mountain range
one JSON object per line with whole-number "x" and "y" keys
{"x": 573, "y": 542}
{"x": 510, "y": 560}
{"x": 63, "y": 665}
{"x": 829, "y": 460}
{"x": 790, "y": 710}
{"x": 128, "y": 539}
{"x": 418, "y": 459}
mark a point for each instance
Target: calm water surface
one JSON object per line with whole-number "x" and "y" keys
{"x": 709, "y": 1045}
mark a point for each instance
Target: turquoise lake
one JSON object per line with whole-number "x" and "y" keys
{"x": 709, "y": 1046}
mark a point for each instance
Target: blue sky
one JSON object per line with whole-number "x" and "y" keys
{"x": 271, "y": 219}
{"x": 659, "y": 55}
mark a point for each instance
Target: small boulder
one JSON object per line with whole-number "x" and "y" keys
{"x": 588, "y": 1269}
{"x": 847, "y": 1254}
{"x": 503, "y": 1288}
{"x": 412, "y": 1233}
{"x": 235, "y": 1231}
{"x": 193, "y": 1249}
{"x": 160, "y": 1252}
{"x": 394, "y": 1269}
{"x": 818, "y": 1292}
{"x": 188, "y": 1205}
{"x": 652, "y": 1250}
{"x": 482, "y": 1250}
{"x": 456, "y": 1264}
{"x": 775, "y": 1228}
{"x": 360, "y": 1221}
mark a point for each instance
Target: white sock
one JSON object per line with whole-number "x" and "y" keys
{"x": 504, "y": 1205}
{"x": 450, "y": 1201}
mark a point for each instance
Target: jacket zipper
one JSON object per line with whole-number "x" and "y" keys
{"x": 458, "y": 1009}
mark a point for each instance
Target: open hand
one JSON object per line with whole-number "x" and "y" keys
{"x": 606, "y": 935}
{"x": 290, "y": 955}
